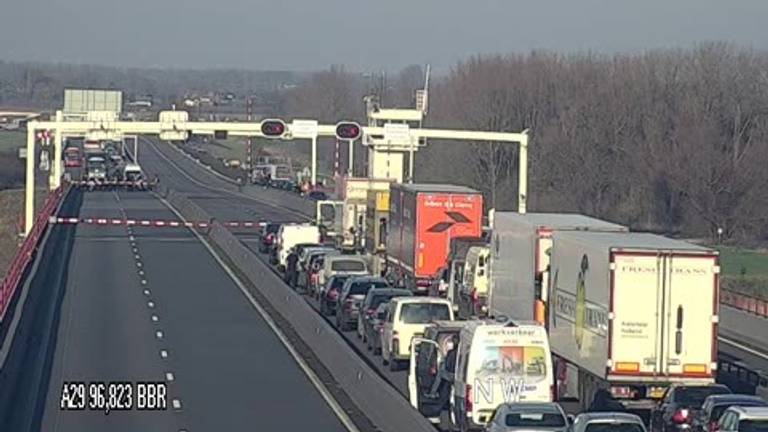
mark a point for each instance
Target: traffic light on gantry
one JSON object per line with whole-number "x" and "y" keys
{"x": 273, "y": 128}
{"x": 348, "y": 131}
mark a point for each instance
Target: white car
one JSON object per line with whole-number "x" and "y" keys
{"x": 607, "y": 422}
{"x": 744, "y": 419}
{"x": 408, "y": 317}
{"x": 531, "y": 416}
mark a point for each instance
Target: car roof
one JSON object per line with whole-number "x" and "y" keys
{"x": 390, "y": 291}
{"x": 607, "y": 417}
{"x": 354, "y": 279}
{"x": 730, "y": 398}
{"x": 420, "y": 299}
{"x": 443, "y": 325}
{"x": 751, "y": 412}
{"x": 345, "y": 258}
{"x": 524, "y": 407}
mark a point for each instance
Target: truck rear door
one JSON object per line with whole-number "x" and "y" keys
{"x": 635, "y": 343}
{"x": 689, "y": 315}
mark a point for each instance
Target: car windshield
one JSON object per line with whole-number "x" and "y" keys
{"x": 534, "y": 420}
{"x": 423, "y": 313}
{"x": 694, "y": 396}
{"x": 613, "y": 427}
{"x": 362, "y": 288}
{"x": 337, "y": 283}
{"x": 348, "y": 266}
{"x": 718, "y": 410}
{"x": 757, "y": 425}
{"x": 527, "y": 361}
{"x": 382, "y": 298}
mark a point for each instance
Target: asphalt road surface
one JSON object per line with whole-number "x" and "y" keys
{"x": 150, "y": 305}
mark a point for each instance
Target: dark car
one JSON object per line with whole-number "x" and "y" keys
{"x": 268, "y": 234}
{"x": 330, "y": 294}
{"x": 681, "y": 404}
{"x": 372, "y": 300}
{"x": 351, "y": 298}
{"x": 317, "y": 196}
{"x": 428, "y": 356}
{"x": 714, "y": 406}
{"x": 376, "y": 322}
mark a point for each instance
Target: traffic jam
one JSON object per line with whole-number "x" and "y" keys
{"x": 517, "y": 321}
{"x": 102, "y": 165}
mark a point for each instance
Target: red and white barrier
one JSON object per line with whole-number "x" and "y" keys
{"x": 24, "y": 255}
{"x": 150, "y": 223}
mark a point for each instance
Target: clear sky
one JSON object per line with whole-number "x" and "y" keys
{"x": 312, "y": 34}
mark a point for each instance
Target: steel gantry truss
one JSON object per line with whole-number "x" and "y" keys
{"x": 175, "y": 125}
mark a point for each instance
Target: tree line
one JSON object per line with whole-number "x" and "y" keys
{"x": 671, "y": 141}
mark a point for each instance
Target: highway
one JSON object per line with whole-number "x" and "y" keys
{"x": 223, "y": 200}
{"x": 144, "y": 304}
{"x": 147, "y": 304}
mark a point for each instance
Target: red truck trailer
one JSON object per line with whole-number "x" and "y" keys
{"x": 423, "y": 220}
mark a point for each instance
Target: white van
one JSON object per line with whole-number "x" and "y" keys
{"x": 351, "y": 265}
{"x": 499, "y": 363}
{"x": 290, "y": 235}
{"x": 407, "y": 318}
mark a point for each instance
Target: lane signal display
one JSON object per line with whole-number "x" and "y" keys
{"x": 348, "y": 131}
{"x": 273, "y": 128}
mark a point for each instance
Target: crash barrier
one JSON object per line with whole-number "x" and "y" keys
{"x": 380, "y": 402}
{"x": 744, "y": 302}
{"x": 26, "y": 252}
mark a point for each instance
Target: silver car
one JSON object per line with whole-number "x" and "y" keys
{"x": 608, "y": 422}
{"x": 532, "y": 416}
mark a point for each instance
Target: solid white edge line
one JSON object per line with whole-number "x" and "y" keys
{"x": 324, "y": 393}
{"x": 742, "y": 347}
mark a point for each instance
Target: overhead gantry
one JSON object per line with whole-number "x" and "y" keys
{"x": 383, "y": 141}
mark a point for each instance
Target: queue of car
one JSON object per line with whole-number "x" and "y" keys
{"x": 482, "y": 373}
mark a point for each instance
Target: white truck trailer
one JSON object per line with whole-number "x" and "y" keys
{"x": 631, "y": 312}
{"x": 520, "y": 254}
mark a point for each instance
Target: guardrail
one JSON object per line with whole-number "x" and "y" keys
{"x": 26, "y": 252}
{"x": 744, "y": 302}
{"x": 380, "y": 402}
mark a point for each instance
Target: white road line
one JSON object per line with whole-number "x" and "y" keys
{"x": 326, "y": 395}
{"x": 163, "y": 353}
{"x": 137, "y": 256}
{"x": 138, "y": 264}
{"x": 143, "y": 281}
{"x": 159, "y": 334}
{"x": 176, "y": 404}
{"x": 169, "y": 376}
{"x": 141, "y": 272}
{"x": 146, "y": 292}
{"x": 155, "y": 318}
{"x": 742, "y": 347}
{"x": 132, "y": 238}
{"x": 151, "y": 304}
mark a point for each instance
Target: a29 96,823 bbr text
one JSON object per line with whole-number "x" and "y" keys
{"x": 113, "y": 396}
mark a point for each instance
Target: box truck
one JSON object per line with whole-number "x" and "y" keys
{"x": 376, "y": 225}
{"x": 423, "y": 219}
{"x": 353, "y": 191}
{"x": 631, "y": 312}
{"x": 520, "y": 253}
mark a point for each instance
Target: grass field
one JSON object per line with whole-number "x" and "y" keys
{"x": 11, "y": 206}
{"x": 745, "y": 270}
{"x": 10, "y": 140}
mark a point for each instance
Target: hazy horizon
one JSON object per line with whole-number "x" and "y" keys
{"x": 305, "y": 35}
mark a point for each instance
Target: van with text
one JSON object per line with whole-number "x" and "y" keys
{"x": 499, "y": 363}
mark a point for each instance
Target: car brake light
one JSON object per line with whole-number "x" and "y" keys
{"x": 370, "y": 312}
{"x": 681, "y": 416}
{"x": 433, "y": 370}
{"x": 333, "y": 294}
{"x": 474, "y": 295}
{"x": 468, "y": 399}
{"x": 713, "y": 426}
